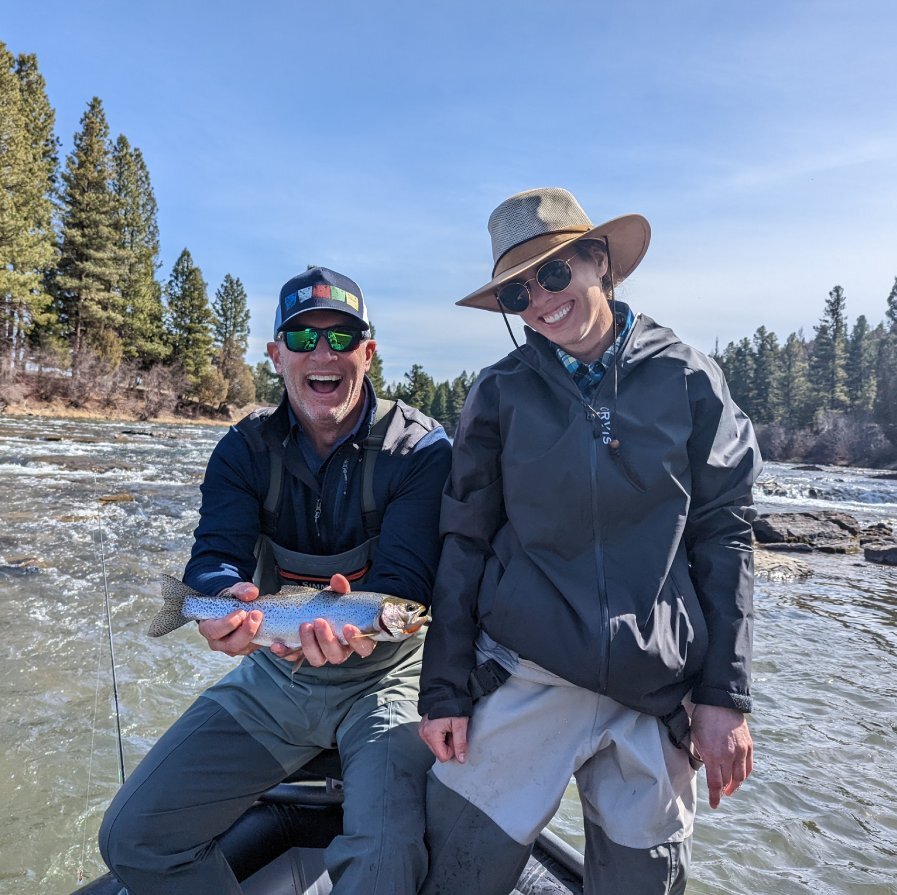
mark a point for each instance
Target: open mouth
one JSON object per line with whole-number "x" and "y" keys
{"x": 322, "y": 383}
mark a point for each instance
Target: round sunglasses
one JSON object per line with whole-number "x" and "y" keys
{"x": 553, "y": 276}
{"x": 340, "y": 339}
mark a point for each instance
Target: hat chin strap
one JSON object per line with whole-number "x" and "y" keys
{"x": 504, "y": 317}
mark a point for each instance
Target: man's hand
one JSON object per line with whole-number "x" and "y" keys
{"x": 724, "y": 743}
{"x": 320, "y": 645}
{"x": 233, "y": 634}
{"x": 446, "y": 737}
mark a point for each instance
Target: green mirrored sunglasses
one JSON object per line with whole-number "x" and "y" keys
{"x": 339, "y": 338}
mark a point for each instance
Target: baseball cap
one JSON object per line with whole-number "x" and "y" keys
{"x": 319, "y": 288}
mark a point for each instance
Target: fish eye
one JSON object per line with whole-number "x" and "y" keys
{"x": 410, "y": 607}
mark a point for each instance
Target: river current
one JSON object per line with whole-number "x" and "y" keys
{"x": 83, "y": 501}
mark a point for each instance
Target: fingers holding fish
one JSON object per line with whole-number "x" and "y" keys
{"x": 244, "y": 591}
{"x": 320, "y": 645}
{"x": 363, "y": 644}
{"x": 282, "y": 651}
{"x": 234, "y": 633}
{"x": 340, "y": 584}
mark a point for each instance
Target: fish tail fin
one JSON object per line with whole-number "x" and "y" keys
{"x": 171, "y": 616}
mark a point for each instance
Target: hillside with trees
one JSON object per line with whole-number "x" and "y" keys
{"x": 831, "y": 398}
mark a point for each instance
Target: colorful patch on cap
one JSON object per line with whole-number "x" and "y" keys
{"x": 334, "y": 293}
{"x": 299, "y": 296}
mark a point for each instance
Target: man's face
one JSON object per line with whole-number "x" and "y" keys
{"x": 324, "y": 386}
{"x": 579, "y": 318}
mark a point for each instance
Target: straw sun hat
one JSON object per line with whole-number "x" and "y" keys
{"x": 532, "y": 226}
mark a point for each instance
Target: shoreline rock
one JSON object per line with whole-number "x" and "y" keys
{"x": 773, "y": 566}
{"x": 827, "y": 531}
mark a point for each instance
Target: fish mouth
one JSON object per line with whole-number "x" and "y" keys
{"x": 422, "y": 618}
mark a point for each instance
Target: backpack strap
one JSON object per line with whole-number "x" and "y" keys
{"x": 372, "y": 446}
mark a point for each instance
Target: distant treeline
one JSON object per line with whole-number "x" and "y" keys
{"x": 831, "y": 398}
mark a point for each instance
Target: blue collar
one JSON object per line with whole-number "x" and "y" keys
{"x": 587, "y": 376}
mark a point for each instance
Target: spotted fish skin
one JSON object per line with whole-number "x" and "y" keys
{"x": 380, "y": 616}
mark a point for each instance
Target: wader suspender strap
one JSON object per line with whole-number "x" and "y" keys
{"x": 275, "y": 482}
{"x": 372, "y": 446}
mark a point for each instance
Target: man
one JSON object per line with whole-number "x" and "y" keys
{"x": 593, "y": 598}
{"x": 332, "y": 486}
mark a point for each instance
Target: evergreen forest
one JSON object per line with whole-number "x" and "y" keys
{"x": 88, "y": 318}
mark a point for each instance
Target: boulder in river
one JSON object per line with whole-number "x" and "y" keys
{"x": 884, "y": 554}
{"x": 773, "y": 566}
{"x": 825, "y": 530}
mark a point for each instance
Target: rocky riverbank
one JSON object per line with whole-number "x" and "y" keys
{"x": 826, "y": 531}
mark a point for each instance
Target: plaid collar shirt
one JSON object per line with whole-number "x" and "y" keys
{"x": 587, "y": 376}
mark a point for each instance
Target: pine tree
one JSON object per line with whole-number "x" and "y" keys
{"x": 796, "y": 398}
{"x": 268, "y": 385}
{"x": 190, "y": 328}
{"x": 231, "y": 311}
{"x": 766, "y": 392}
{"x": 891, "y": 312}
{"x": 375, "y": 374}
{"x": 231, "y": 325}
{"x": 860, "y": 366}
{"x": 142, "y": 331}
{"x": 828, "y": 361}
{"x": 88, "y": 284}
{"x": 28, "y": 164}
{"x": 418, "y": 389}
{"x": 459, "y": 388}
{"x": 738, "y": 367}
{"x": 885, "y": 407}
{"x": 441, "y": 400}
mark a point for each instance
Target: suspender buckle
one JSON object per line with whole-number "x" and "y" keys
{"x": 486, "y": 678}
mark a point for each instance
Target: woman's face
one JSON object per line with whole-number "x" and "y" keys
{"x": 579, "y": 319}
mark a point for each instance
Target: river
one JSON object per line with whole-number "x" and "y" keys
{"x": 818, "y": 815}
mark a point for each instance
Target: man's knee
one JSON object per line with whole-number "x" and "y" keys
{"x": 123, "y": 843}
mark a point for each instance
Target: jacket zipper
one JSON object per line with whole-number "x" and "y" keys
{"x": 597, "y": 446}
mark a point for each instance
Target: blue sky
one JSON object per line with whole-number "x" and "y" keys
{"x": 759, "y": 139}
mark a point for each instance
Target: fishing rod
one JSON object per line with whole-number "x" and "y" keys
{"x": 101, "y": 542}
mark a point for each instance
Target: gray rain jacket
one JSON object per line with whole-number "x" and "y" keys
{"x": 608, "y": 541}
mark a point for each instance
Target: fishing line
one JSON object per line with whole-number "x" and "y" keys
{"x": 93, "y": 735}
{"x": 99, "y": 546}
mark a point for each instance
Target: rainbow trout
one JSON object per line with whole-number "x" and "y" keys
{"x": 377, "y": 616}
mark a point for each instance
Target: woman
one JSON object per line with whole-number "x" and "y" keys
{"x": 592, "y": 611}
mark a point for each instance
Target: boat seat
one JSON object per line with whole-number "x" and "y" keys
{"x": 325, "y": 765}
